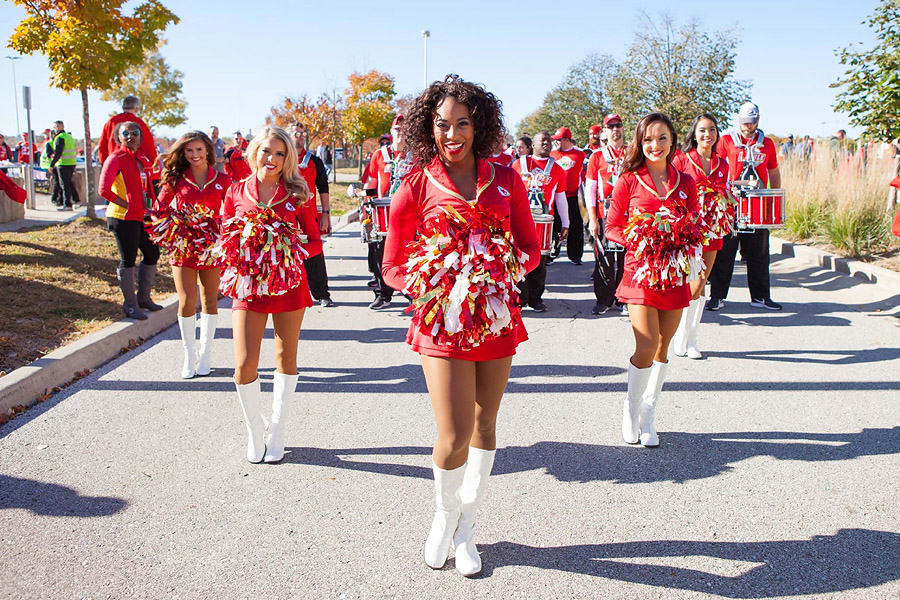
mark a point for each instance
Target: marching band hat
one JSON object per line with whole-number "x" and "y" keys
{"x": 563, "y": 133}
{"x": 610, "y": 118}
{"x": 386, "y": 136}
{"x": 594, "y": 130}
{"x": 749, "y": 113}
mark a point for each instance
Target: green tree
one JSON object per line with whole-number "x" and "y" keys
{"x": 157, "y": 85}
{"x": 871, "y": 83}
{"x": 321, "y": 117}
{"x": 368, "y": 109}
{"x": 681, "y": 71}
{"x": 88, "y": 44}
{"x": 579, "y": 101}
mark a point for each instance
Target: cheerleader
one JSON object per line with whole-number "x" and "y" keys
{"x": 275, "y": 183}
{"x": 190, "y": 178}
{"x": 450, "y": 131}
{"x": 650, "y": 190}
{"x": 710, "y": 172}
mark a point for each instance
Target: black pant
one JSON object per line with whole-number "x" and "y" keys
{"x": 376, "y": 260}
{"x": 532, "y": 287}
{"x": 131, "y": 236}
{"x": 57, "y": 196}
{"x": 575, "y": 241}
{"x": 65, "y": 174}
{"x": 607, "y": 276}
{"x": 755, "y": 250}
{"x": 318, "y": 276}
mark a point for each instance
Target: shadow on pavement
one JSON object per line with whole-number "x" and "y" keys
{"x": 850, "y": 559}
{"x": 52, "y": 500}
{"x": 824, "y": 357}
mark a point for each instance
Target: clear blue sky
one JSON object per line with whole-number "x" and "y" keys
{"x": 238, "y": 60}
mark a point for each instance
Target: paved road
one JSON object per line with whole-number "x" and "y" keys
{"x": 776, "y": 477}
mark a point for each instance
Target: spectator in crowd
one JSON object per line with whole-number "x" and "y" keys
{"x": 236, "y": 165}
{"x": 65, "y": 156}
{"x": 219, "y": 146}
{"x": 787, "y": 147}
{"x": 6, "y": 153}
{"x": 109, "y": 144}
{"x": 524, "y": 146}
{"x": 24, "y": 150}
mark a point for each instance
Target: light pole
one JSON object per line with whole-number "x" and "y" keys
{"x": 15, "y": 91}
{"x": 425, "y": 36}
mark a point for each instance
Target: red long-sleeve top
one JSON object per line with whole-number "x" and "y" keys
{"x": 691, "y": 164}
{"x": 123, "y": 176}
{"x": 422, "y": 195}
{"x": 636, "y": 190}
{"x": 107, "y": 144}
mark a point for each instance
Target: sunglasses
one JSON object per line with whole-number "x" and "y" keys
{"x": 614, "y": 126}
{"x": 130, "y": 133}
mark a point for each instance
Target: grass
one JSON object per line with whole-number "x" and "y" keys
{"x": 340, "y": 203}
{"x": 57, "y": 284}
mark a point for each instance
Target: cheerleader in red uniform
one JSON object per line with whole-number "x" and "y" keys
{"x": 710, "y": 172}
{"x": 450, "y": 131}
{"x": 649, "y": 196}
{"x": 190, "y": 178}
{"x": 275, "y": 183}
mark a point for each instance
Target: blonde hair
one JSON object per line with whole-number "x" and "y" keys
{"x": 290, "y": 174}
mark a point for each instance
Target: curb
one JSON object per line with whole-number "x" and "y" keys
{"x": 830, "y": 262}
{"x": 25, "y": 385}
{"x": 347, "y": 218}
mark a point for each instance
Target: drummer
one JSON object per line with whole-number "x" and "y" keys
{"x": 604, "y": 168}
{"x": 754, "y": 243}
{"x": 546, "y": 184}
{"x": 388, "y": 166}
{"x": 571, "y": 159}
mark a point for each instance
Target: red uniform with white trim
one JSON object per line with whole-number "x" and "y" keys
{"x": 503, "y": 159}
{"x": 236, "y": 165}
{"x": 635, "y": 190}
{"x": 572, "y": 162}
{"x": 691, "y": 164}
{"x": 379, "y": 171}
{"x": 501, "y": 192}
{"x": 240, "y": 198}
{"x": 187, "y": 193}
{"x": 732, "y": 153}
{"x": 24, "y": 153}
{"x": 553, "y": 184}
{"x": 603, "y": 168}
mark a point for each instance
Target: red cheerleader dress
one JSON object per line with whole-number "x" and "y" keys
{"x": 691, "y": 164}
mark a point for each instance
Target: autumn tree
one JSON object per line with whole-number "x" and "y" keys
{"x": 367, "y": 107}
{"x": 580, "y": 100}
{"x": 321, "y": 117}
{"x": 157, "y": 85}
{"x": 88, "y": 44}
{"x": 681, "y": 71}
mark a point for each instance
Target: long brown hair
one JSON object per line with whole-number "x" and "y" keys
{"x": 634, "y": 156}
{"x": 175, "y": 163}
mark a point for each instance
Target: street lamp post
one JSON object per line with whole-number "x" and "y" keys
{"x": 425, "y": 36}
{"x": 15, "y": 91}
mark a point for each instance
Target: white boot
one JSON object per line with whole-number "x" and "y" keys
{"x": 648, "y": 405}
{"x": 637, "y": 383}
{"x": 186, "y": 326}
{"x": 696, "y": 315}
{"x": 283, "y": 389}
{"x": 478, "y": 469}
{"x": 207, "y": 334}
{"x": 446, "y": 515}
{"x": 248, "y": 397}
{"x": 680, "y": 339}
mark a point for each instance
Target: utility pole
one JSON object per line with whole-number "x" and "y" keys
{"x": 15, "y": 91}
{"x": 425, "y": 35}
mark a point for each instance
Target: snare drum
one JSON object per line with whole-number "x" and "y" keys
{"x": 760, "y": 209}
{"x": 381, "y": 214}
{"x": 365, "y": 220}
{"x": 543, "y": 224}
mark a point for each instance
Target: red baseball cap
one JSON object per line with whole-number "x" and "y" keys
{"x": 594, "y": 130}
{"x": 563, "y": 133}
{"x": 386, "y": 136}
{"x": 610, "y": 118}
{"x": 397, "y": 120}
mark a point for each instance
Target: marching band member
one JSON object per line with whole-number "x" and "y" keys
{"x": 604, "y": 168}
{"x": 594, "y": 144}
{"x": 124, "y": 183}
{"x": 190, "y": 178}
{"x": 313, "y": 170}
{"x": 500, "y": 156}
{"x": 451, "y": 131}
{"x": 652, "y": 200}
{"x": 275, "y": 185}
{"x": 571, "y": 159}
{"x": 710, "y": 173}
{"x": 546, "y": 183}
{"x": 387, "y": 168}
{"x": 754, "y": 244}
{"x": 524, "y": 146}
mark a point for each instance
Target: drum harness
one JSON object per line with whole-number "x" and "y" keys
{"x": 536, "y": 199}
{"x": 749, "y": 179}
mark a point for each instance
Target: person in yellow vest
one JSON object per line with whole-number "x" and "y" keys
{"x": 46, "y": 156}
{"x": 63, "y": 163}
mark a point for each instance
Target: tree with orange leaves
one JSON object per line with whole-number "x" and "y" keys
{"x": 368, "y": 109}
{"x": 322, "y": 117}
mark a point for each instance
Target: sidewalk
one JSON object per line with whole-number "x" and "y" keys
{"x": 774, "y": 477}
{"x": 46, "y": 213}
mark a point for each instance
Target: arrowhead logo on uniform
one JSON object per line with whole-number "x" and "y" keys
{"x": 218, "y": 187}
{"x": 289, "y": 206}
{"x": 503, "y": 191}
{"x": 682, "y": 195}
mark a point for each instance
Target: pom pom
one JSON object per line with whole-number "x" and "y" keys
{"x": 260, "y": 255}
{"x": 716, "y": 209}
{"x": 462, "y": 274}
{"x": 185, "y": 234}
{"x": 668, "y": 245}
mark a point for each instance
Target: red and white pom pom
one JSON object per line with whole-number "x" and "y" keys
{"x": 668, "y": 246}
{"x": 185, "y": 234}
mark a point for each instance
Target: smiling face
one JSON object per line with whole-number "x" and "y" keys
{"x": 657, "y": 143}
{"x": 195, "y": 154}
{"x": 270, "y": 157}
{"x": 454, "y": 133}
{"x": 706, "y": 134}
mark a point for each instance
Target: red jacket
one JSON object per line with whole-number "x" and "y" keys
{"x": 123, "y": 176}
{"x": 187, "y": 192}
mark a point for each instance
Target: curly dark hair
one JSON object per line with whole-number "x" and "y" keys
{"x": 484, "y": 107}
{"x": 634, "y": 155}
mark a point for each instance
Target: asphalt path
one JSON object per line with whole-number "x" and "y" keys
{"x": 776, "y": 475}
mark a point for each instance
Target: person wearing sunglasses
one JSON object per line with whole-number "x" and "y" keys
{"x": 124, "y": 183}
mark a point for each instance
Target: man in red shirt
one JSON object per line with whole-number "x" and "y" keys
{"x": 108, "y": 144}
{"x": 571, "y": 159}
{"x": 755, "y": 243}
{"x": 25, "y": 150}
{"x": 603, "y": 170}
{"x": 594, "y": 143}
{"x": 236, "y": 165}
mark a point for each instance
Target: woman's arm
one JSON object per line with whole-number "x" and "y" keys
{"x": 166, "y": 195}
{"x": 614, "y": 228}
{"x": 107, "y": 178}
{"x": 402, "y": 227}
{"x": 521, "y": 225}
